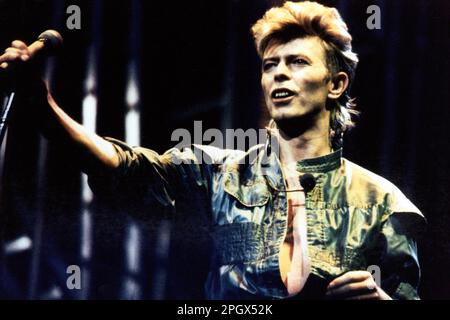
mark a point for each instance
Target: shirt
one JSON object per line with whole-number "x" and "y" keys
{"x": 294, "y": 251}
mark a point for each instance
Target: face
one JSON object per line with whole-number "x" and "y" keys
{"x": 295, "y": 78}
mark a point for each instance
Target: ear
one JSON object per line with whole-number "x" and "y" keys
{"x": 338, "y": 84}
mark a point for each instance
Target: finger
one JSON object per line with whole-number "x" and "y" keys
{"x": 12, "y": 49}
{"x": 22, "y": 54}
{"x": 351, "y": 276}
{"x": 9, "y": 56}
{"x": 353, "y": 288}
{"x": 12, "y": 54}
{"x": 367, "y": 296}
{"x": 19, "y": 44}
{"x": 21, "y": 50}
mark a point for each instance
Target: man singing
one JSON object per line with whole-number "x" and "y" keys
{"x": 299, "y": 223}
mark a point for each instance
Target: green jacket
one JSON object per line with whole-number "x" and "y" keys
{"x": 355, "y": 218}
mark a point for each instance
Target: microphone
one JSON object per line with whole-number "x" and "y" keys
{"x": 308, "y": 182}
{"x": 48, "y": 43}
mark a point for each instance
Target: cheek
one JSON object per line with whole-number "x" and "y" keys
{"x": 263, "y": 82}
{"x": 265, "y": 85}
{"x": 314, "y": 83}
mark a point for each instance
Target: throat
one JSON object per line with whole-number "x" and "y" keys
{"x": 294, "y": 150}
{"x": 304, "y": 142}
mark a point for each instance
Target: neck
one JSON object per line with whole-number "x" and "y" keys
{"x": 303, "y": 143}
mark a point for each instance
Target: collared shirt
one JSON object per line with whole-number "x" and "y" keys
{"x": 355, "y": 220}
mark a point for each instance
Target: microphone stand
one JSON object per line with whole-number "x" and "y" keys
{"x": 8, "y": 94}
{"x": 8, "y": 83}
{"x": 5, "y": 111}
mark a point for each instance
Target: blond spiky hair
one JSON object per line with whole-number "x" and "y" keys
{"x": 299, "y": 19}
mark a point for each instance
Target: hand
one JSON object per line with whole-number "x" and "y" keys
{"x": 25, "y": 76}
{"x": 17, "y": 52}
{"x": 356, "y": 285}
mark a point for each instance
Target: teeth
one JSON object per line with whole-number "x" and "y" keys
{"x": 281, "y": 94}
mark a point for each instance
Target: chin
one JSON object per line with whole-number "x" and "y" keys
{"x": 285, "y": 115}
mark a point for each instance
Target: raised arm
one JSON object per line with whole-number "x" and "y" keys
{"x": 92, "y": 152}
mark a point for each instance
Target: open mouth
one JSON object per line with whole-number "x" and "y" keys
{"x": 282, "y": 95}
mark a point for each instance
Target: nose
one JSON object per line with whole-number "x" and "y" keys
{"x": 282, "y": 73}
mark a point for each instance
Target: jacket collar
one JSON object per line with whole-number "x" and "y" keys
{"x": 325, "y": 163}
{"x": 271, "y": 165}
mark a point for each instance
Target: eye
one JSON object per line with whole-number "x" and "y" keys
{"x": 268, "y": 65}
{"x": 299, "y": 61}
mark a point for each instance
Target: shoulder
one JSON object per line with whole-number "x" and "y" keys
{"x": 230, "y": 159}
{"x": 211, "y": 155}
{"x": 367, "y": 186}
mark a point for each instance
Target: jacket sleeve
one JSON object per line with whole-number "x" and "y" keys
{"x": 149, "y": 179}
{"x": 400, "y": 268}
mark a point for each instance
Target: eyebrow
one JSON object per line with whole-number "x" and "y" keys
{"x": 289, "y": 57}
{"x": 270, "y": 59}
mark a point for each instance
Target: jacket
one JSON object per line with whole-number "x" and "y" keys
{"x": 355, "y": 218}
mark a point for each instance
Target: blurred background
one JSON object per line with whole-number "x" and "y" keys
{"x": 137, "y": 70}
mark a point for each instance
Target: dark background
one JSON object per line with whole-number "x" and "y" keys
{"x": 196, "y": 61}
